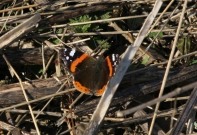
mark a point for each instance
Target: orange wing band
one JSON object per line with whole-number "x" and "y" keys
{"x": 77, "y": 61}
{"x": 81, "y": 88}
{"x": 109, "y": 64}
{"x": 100, "y": 92}
{"x": 85, "y": 90}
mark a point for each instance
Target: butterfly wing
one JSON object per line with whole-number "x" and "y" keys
{"x": 72, "y": 58}
{"x": 111, "y": 62}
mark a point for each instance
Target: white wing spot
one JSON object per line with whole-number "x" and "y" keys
{"x": 113, "y": 57}
{"x": 72, "y": 53}
{"x": 67, "y": 58}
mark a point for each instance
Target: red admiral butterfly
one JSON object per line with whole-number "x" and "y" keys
{"x": 91, "y": 74}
